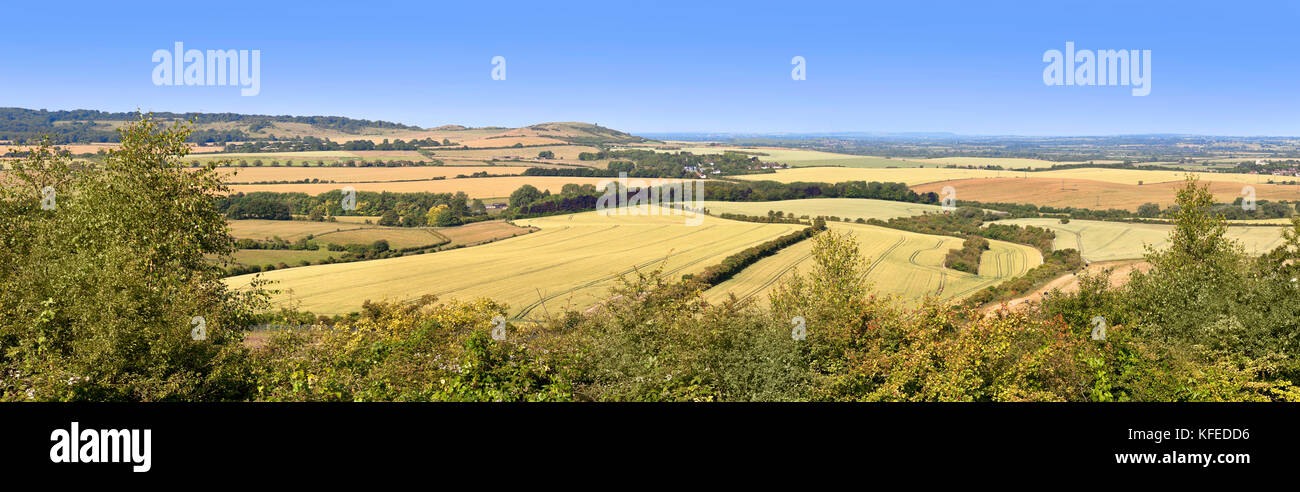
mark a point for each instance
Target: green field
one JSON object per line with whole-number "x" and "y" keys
{"x": 341, "y": 233}
{"x": 263, "y": 257}
{"x": 398, "y": 238}
{"x": 569, "y": 263}
{"x": 851, "y": 208}
{"x": 905, "y": 264}
{"x": 1105, "y": 241}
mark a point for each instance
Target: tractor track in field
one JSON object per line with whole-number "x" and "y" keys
{"x": 883, "y": 255}
{"x": 776, "y": 277}
{"x": 943, "y": 274}
{"x": 542, "y": 301}
{"x": 1114, "y": 239}
{"x": 515, "y": 273}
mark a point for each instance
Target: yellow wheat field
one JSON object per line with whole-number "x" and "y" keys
{"x": 570, "y": 263}
{"x": 904, "y": 264}
{"x": 1105, "y": 241}
{"x": 917, "y": 176}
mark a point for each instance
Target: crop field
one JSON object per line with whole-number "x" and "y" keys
{"x": 1135, "y": 176}
{"x": 816, "y": 158}
{"x": 479, "y": 232}
{"x": 348, "y": 219}
{"x": 397, "y": 237}
{"x": 474, "y": 187}
{"x": 359, "y": 174}
{"x": 92, "y": 148}
{"x": 263, "y": 257}
{"x": 1094, "y": 194}
{"x": 904, "y": 264}
{"x": 569, "y": 263}
{"x": 930, "y": 174}
{"x": 566, "y": 152}
{"x": 334, "y": 232}
{"x": 910, "y": 176}
{"x": 297, "y": 158}
{"x": 1007, "y": 162}
{"x": 1105, "y": 241}
{"x": 802, "y": 157}
{"x": 289, "y": 230}
{"x": 851, "y": 208}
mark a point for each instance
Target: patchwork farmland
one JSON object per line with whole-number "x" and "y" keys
{"x": 846, "y": 208}
{"x": 348, "y": 233}
{"x": 1082, "y": 193}
{"x": 569, "y": 263}
{"x": 919, "y": 176}
{"x": 495, "y": 187}
{"x": 359, "y": 174}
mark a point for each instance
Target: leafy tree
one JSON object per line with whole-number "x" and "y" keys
{"x": 101, "y": 297}
{"x": 525, "y": 195}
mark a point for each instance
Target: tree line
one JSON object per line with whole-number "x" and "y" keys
{"x": 77, "y": 126}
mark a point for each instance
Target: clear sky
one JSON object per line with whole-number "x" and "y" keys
{"x": 1224, "y": 68}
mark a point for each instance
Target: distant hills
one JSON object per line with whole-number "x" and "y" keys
{"x": 84, "y": 126}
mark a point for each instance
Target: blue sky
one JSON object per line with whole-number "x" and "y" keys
{"x": 1224, "y": 68}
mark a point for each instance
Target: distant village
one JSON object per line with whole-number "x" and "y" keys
{"x": 703, "y": 171}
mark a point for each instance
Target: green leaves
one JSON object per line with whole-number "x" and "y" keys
{"x": 105, "y": 285}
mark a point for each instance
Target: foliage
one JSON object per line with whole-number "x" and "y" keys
{"x": 97, "y": 295}
{"x": 419, "y": 351}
